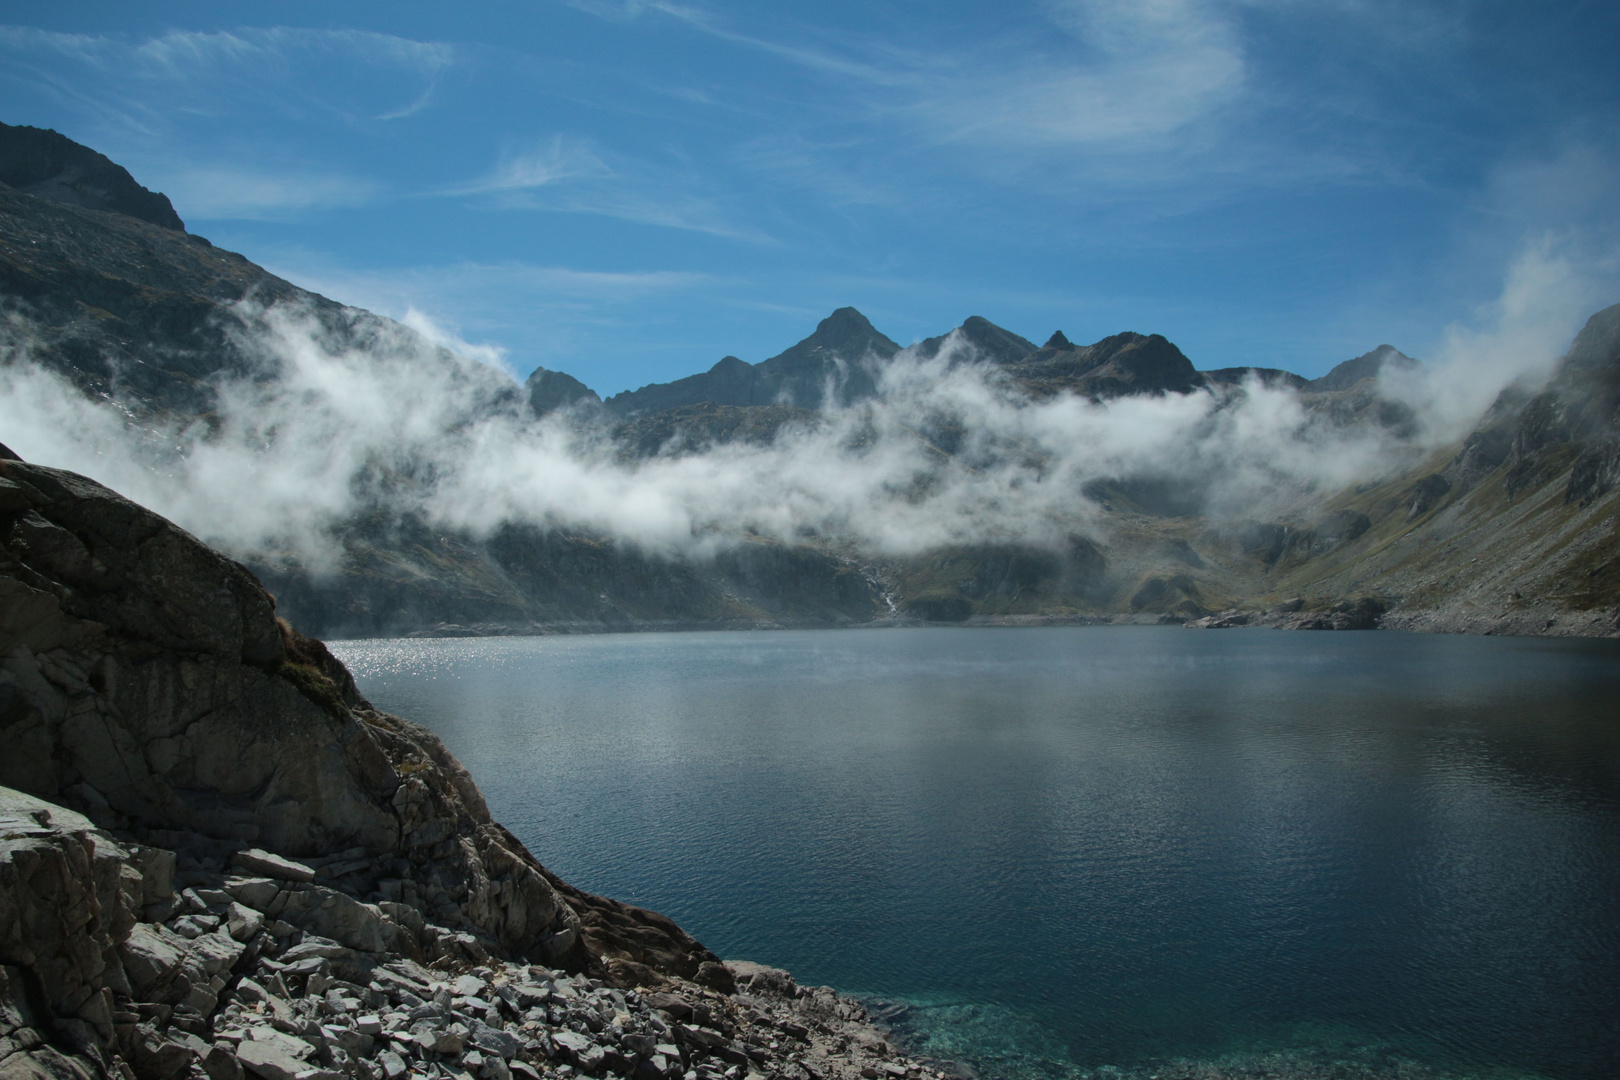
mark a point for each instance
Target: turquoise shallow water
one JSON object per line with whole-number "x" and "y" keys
{"x": 1091, "y": 851}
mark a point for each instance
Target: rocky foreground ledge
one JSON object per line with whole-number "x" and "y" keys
{"x": 218, "y": 860}
{"x": 128, "y": 959}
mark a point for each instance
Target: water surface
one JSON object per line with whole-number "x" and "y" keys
{"x": 1080, "y": 849}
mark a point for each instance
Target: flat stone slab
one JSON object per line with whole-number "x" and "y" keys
{"x": 270, "y": 1062}
{"x": 258, "y": 861}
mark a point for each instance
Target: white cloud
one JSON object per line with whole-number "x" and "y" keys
{"x": 284, "y": 68}
{"x": 287, "y": 460}
{"x": 1547, "y": 294}
{"x": 446, "y": 338}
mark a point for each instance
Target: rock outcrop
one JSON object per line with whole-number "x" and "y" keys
{"x": 217, "y": 859}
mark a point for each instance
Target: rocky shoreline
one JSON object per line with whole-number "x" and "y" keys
{"x": 193, "y": 960}
{"x": 218, "y": 861}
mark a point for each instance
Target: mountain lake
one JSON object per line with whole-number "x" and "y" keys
{"x": 1090, "y": 851}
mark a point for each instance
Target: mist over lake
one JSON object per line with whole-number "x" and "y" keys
{"x": 1071, "y": 848}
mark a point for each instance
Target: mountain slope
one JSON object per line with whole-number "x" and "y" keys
{"x": 155, "y": 318}
{"x": 1518, "y": 531}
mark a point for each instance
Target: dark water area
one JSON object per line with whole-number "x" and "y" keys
{"x": 1111, "y": 851}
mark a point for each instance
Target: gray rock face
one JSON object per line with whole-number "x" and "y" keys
{"x": 150, "y": 675}
{"x": 66, "y": 904}
{"x": 272, "y": 866}
{"x": 148, "y": 667}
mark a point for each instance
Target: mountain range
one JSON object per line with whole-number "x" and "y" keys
{"x": 1507, "y": 525}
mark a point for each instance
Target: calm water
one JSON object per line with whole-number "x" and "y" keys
{"x": 1087, "y": 851}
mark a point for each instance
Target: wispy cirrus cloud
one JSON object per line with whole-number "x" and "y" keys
{"x": 1128, "y": 75}
{"x": 828, "y": 62}
{"x": 645, "y": 204}
{"x": 1087, "y": 102}
{"x": 185, "y": 110}
{"x": 358, "y": 74}
{"x": 1090, "y": 73}
{"x": 553, "y": 161}
{"x": 565, "y": 174}
{"x": 1092, "y": 102}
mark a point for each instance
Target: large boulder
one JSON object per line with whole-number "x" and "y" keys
{"x": 67, "y": 902}
{"x": 146, "y": 676}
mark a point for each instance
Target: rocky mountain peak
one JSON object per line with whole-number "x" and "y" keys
{"x": 1150, "y": 362}
{"x": 845, "y": 334}
{"x": 1598, "y": 343}
{"x": 1366, "y": 366}
{"x": 994, "y": 342}
{"x": 1125, "y": 363}
{"x": 549, "y": 391}
{"x": 843, "y": 322}
{"x": 801, "y": 375}
{"x": 49, "y": 165}
{"x": 989, "y": 342}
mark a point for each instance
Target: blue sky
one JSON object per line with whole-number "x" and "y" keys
{"x": 629, "y": 189}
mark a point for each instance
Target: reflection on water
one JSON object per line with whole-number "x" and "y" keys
{"x": 1254, "y": 852}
